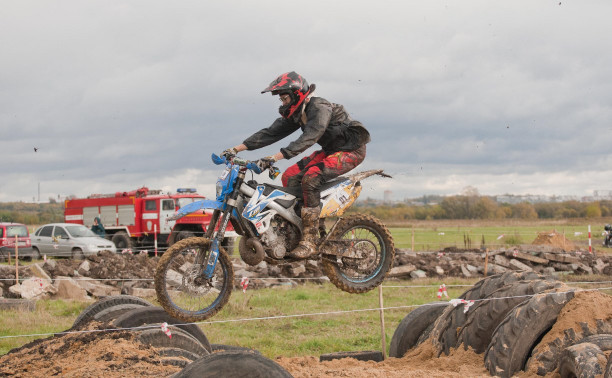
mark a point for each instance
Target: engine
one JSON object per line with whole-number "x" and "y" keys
{"x": 281, "y": 237}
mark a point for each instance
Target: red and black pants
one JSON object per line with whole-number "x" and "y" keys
{"x": 313, "y": 171}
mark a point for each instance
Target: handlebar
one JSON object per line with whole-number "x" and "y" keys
{"x": 218, "y": 160}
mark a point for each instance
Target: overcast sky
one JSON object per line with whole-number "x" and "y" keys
{"x": 505, "y": 96}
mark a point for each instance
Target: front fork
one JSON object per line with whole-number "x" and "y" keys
{"x": 230, "y": 205}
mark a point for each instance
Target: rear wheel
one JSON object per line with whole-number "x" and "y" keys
{"x": 182, "y": 290}
{"x": 374, "y": 246}
{"x": 122, "y": 241}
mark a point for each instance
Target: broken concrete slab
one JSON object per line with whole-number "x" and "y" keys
{"x": 38, "y": 271}
{"x": 96, "y": 288}
{"x": 418, "y": 274}
{"x": 33, "y": 288}
{"x": 402, "y": 270}
{"x": 561, "y": 257}
{"x": 517, "y": 265}
{"x": 68, "y": 288}
{"x": 526, "y": 256}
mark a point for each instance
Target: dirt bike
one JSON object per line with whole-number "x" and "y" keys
{"x": 194, "y": 277}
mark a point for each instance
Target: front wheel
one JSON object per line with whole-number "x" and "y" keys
{"x": 181, "y": 288}
{"x": 374, "y": 245}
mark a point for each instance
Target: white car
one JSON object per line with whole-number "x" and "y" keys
{"x": 68, "y": 240}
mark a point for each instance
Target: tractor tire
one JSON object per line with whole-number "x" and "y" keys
{"x": 444, "y": 333}
{"x": 90, "y": 312}
{"x": 411, "y": 330}
{"x": 545, "y": 357}
{"x": 582, "y": 360}
{"x": 233, "y": 364}
{"x": 484, "y": 316}
{"x": 521, "y": 329}
{"x": 154, "y": 315}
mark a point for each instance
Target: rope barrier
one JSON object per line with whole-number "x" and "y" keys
{"x": 339, "y": 312}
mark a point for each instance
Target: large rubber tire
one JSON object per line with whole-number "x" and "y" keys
{"x": 582, "y": 360}
{"x": 545, "y": 357}
{"x": 484, "y": 316}
{"x": 410, "y": 332}
{"x": 523, "y": 327}
{"x": 372, "y": 228}
{"x": 180, "y": 339}
{"x": 172, "y": 297}
{"x": 90, "y": 312}
{"x": 233, "y": 364}
{"x": 153, "y": 315}
{"x": 112, "y": 313}
{"x": 444, "y": 333}
{"x": 122, "y": 241}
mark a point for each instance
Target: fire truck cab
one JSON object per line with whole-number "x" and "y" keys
{"x": 138, "y": 219}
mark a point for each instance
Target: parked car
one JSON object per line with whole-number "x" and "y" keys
{"x": 68, "y": 240}
{"x": 8, "y": 231}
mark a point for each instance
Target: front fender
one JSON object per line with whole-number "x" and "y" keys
{"x": 196, "y": 206}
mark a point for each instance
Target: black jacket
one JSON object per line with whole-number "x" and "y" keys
{"x": 322, "y": 122}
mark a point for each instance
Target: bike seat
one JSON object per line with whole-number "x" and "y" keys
{"x": 293, "y": 190}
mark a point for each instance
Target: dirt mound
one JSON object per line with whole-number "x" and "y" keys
{"x": 555, "y": 239}
{"x": 108, "y": 266}
{"x": 91, "y": 354}
{"x": 420, "y": 362}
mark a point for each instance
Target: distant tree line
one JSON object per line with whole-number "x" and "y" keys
{"x": 31, "y": 213}
{"x": 483, "y": 207}
{"x": 451, "y": 207}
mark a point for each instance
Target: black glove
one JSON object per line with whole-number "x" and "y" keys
{"x": 229, "y": 154}
{"x": 265, "y": 163}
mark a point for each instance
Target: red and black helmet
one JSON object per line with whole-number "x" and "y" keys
{"x": 293, "y": 84}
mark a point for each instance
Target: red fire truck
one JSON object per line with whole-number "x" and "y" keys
{"x": 135, "y": 219}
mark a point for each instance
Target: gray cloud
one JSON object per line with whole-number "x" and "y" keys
{"x": 504, "y": 96}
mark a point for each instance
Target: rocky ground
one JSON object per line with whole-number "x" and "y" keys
{"x": 111, "y": 274}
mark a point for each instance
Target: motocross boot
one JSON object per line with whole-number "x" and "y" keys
{"x": 310, "y": 229}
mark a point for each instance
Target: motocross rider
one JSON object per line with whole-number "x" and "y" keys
{"x": 342, "y": 140}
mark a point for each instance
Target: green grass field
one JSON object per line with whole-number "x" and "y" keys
{"x": 306, "y": 320}
{"x": 343, "y": 322}
{"x": 433, "y": 236}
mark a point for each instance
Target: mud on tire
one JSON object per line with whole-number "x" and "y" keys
{"x": 444, "y": 333}
{"x": 154, "y": 315}
{"x": 415, "y": 327}
{"x": 582, "y": 360}
{"x": 545, "y": 357}
{"x": 90, "y": 312}
{"x": 515, "y": 337}
{"x": 484, "y": 316}
{"x": 378, "y": 234}
{"x": 174, "y": 282}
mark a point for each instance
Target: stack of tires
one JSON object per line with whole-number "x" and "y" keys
{"x": 188, "y": 347}
{"x": 510, "y": 314}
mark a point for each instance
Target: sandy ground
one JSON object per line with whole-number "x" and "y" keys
{"x": 116, "y": 354}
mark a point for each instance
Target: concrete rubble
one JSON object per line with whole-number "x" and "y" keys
{"x": 112, "y": 274}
